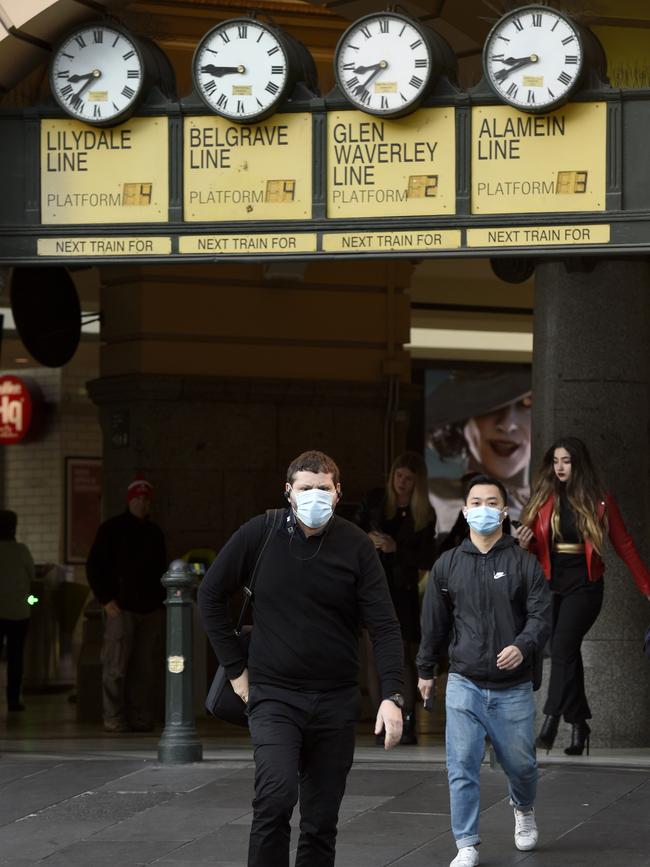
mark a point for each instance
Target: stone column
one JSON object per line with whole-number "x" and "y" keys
{"x": 591, "y": 365}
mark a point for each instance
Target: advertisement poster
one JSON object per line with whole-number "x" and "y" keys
{"x": 477, "y": 420}
{"x": 83, "y": 493}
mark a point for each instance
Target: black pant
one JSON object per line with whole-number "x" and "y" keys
{"x": 304, "y": 744}
{"x": 16, "y": 632}
{"x": 573, "y": 616}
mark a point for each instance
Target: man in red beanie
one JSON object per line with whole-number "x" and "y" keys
{"x": 124, "y": 568}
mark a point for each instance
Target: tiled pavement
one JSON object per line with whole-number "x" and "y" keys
{"x": 118, "y": 807}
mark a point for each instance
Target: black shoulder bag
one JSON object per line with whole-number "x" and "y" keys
{"x": 222, "y": 701}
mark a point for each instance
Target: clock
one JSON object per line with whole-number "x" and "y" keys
{"x": 386, "y": 63}
{"x": 97, "y": 74}
{"x": 534, "y": 58}
{"x": 244, "y": 68}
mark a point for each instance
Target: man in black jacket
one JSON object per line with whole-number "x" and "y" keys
{"x": 487, "y": 605}
{"x": 318, "y": 581}
{"x": 124, "y": 568}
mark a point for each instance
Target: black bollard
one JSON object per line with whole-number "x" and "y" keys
{"x": 179, "y": 742}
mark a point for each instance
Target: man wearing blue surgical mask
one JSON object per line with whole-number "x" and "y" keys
{"x": 487, "y": 605}
{"x": 318, "y": 581}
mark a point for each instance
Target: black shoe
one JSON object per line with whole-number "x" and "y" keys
{"x": 548, "y": 733}
{"x": 580, "y": 732}
{"x": 409, "y": 737}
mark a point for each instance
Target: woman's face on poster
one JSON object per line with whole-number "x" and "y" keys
{"x": 500, "y": 441}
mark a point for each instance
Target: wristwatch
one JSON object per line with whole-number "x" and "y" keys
{"x": 397, "y": 698}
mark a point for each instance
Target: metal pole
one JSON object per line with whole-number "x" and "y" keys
{"x": 179, "y": 742}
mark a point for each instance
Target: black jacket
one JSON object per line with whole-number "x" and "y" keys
{"x": 311, "y": 595}
{"x": 126, "y": 562}
{"x": 476, "y": 604}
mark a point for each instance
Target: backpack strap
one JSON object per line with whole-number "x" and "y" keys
{"x": 272, "y": 521}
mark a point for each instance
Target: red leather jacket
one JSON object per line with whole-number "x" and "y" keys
{"x": 618, "y": 534}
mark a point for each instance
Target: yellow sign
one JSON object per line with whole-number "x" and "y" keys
{"x": 117, "y": 175}
{"x": 247, "y": 244}
{"x": 420, "y": 240}
{"x": 153, "y": 246}
{"x": 382, "y": 168}
{"x": 525, "y": 163}
{"x": 538, "y": 236}
{"x": 256, "y": 172}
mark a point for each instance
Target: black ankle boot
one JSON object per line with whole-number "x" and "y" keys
{"x": 548, "y": 732}
{"x": 409, "y": 737}
{"x": 580, "y": 732}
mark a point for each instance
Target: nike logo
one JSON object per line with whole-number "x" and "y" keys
{"x": 499, "y": 575}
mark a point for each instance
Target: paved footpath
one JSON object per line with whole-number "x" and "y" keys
{"x": 89, "y": 807}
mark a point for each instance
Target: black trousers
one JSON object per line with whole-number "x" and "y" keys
{"x": 16, "y": 633}
{"x": 304, "y": 744}
{"x": 573, "y": 616}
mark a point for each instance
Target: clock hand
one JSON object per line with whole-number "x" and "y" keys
{"x": 502, "y": 74}
{"x": 75, "y": 78}
{"x": 361, "y": 69}
{"x": 94, "y": 75}
{"x": 222, "y": 70}
{"x": 378, "y": 67}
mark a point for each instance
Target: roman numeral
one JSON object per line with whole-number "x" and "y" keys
{"x": 550, "y": 93}
{"x": 348, "y": 66}
{"x": 273, "y": 51}
{"x": 517, "y": 23}
{"x": 67, "y": 90}
{"x": 259, "y": 103}
{"x": 128, "y": 55}
{"x": 76, "y": 102}
{"x": 81, "y": 42}
{"x": 277, "y": 70}
{"x": 222, "y": 102}
{"x": 537, "y": 19}
{"x": 260, "y": 36}
{"x": 384, "y": 25}
{"x": 415, "y": 44}
{"x": 97, "y": 110}
{"x": 353, "y": 47}
{"x": 352, "y": 82}
{"x": 568, "y": 39}
{"x": 240, "y": 106}
{"x": 512, "y": 90}
{"x": 63, "y": 74}
{"x": 272, "y": 88}
{"x": 128, "y": 92}
{"x": 504, "y": 38}
{"x": 404, "y": 99}
{"x": 422, "y": 63}
{"x": 224, "y": 36}
{"x": 557, "y": 21}
{"x": 563, "y": 78}
{"x": 363, "y": 96}
{"x": 415, "y": 81}
{"x": 365, "y": 31}
{"x": 497, "y": 56}
{"x": 98, "y": 36}
{"x": 571, "y": 58}
{"x": 133, "y": 73}
{"x": 242, "y": 31}
{"x": 69, "y": 56}
{"x": 210, "y": 86}
{"x": 531, "y": 97}
{"x": 384, "y": 102}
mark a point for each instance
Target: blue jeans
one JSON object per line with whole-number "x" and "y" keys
{"x": 507, "y": 717}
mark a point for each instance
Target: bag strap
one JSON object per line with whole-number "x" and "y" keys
{"x": 271, "y": 523}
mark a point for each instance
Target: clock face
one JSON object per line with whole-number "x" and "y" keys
{"x": 383, "y": 64}
{"x": 97, "y": 74}
{"x": 533, "y": 58}
{"x": 241, "y": 70}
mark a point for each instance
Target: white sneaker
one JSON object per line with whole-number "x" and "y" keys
{"x": 526, "y": 835}
{"x": 467, "y": 857}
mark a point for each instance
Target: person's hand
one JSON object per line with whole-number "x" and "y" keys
{"x": 376, "y": 538}
{"x": 426, "y": 687}
{"x": 240, "y": 685}
{"x": 524, "y": 535}
{"x": 388, "y": 545}
{"x": 510, "y": 657}
{"x": 389, "y": 718}
{"x": 112, "y": 609}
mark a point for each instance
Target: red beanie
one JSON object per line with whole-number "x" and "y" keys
{"x": 139, "y": 488}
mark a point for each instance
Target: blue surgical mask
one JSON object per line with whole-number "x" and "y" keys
{"x": 314, "y": 507}
{"x": 484, "y": 519}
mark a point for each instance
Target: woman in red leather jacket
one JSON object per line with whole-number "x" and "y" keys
{"x": 564, "y": 525}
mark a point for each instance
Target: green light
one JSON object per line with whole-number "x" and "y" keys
{"x": 32, "y": 600}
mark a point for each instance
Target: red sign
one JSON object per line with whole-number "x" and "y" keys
{"x": 20, "y": 405}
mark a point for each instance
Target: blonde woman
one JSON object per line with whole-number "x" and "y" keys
{"x": 564, "y": 525}
{"x": 402, "y": 525}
